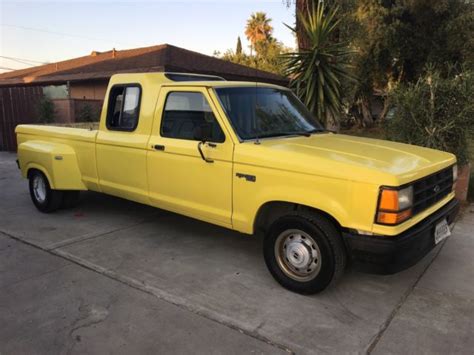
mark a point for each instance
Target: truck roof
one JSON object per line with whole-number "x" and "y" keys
{"x": 185, "y": 79}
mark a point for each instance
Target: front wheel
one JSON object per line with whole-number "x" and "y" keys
{"x": 44, "y": 198}
{"x": 304, "y": 252}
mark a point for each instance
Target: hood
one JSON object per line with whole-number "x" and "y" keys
{"x": 346, "y": 157}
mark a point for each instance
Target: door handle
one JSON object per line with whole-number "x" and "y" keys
{"x": 159, "y": 147}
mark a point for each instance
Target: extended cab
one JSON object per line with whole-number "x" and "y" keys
{"x": 250, "y": 157}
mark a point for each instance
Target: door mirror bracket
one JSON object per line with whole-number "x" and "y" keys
{"x": 203, "y": 134}
{"x": 207, "y": 160}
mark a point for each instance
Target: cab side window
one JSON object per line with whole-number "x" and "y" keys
{"x": 187, "y": 113}
{"x": 123, "y": 108}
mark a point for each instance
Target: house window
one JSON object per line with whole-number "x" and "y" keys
{"x": 187, "y": 112}
{"x": 124, "y": 108}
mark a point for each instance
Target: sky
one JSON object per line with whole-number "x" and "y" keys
{"x": 42, "y": 31}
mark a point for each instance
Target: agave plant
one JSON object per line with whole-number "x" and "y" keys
{"x": 316, "y": 73}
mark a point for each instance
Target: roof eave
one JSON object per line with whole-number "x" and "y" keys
{"x": 63, "y": 79}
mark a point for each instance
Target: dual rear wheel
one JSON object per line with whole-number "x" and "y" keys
{"x": 46, "y": 199}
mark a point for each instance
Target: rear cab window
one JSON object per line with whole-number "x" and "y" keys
{"x": 185, "y": 113}
{"x": 124, "y": 107}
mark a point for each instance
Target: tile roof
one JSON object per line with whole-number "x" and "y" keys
{"x": 164, "y": 57}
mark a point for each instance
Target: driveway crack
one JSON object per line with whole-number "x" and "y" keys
{"x": 88, "y": 317}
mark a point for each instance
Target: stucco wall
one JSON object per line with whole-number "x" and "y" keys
{"x": 88, "y": 90}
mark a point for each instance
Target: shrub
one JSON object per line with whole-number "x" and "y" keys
{"x": 435, "y": 112}
{"x": 87, "y": 114}
{"x": 46, "y": 111}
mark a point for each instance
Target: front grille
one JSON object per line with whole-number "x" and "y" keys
{"x": 431, "y": 189}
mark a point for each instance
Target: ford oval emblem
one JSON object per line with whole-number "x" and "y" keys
{"x": 436, "y": 189}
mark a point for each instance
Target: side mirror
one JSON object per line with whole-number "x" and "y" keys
{"x": 202, "y": 132}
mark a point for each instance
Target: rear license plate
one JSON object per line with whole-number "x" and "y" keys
{"x": 442, "y": 231}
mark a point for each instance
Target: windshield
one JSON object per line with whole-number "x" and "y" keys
{"x": 258, "y": 112}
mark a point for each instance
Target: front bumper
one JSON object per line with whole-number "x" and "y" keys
{"x": 391, "y": 254}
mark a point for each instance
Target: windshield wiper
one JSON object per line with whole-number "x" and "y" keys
{"x": 277, "y": 134}
{"x": 318, "y": 130}
{"x": 297, "y": 133}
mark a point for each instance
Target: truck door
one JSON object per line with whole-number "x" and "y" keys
{"x": 185, "y": 175}
{"x": 122, "y": 142}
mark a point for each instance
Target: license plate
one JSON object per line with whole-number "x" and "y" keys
{"x": 442, "y": 231}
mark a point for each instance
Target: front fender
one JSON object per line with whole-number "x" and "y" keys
{"x": 57, "y": 161}
{"x": 332, "y": 196}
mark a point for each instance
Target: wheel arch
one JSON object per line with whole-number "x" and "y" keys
{"x": 272, "y": 210}
{"x": 35, "y": 167}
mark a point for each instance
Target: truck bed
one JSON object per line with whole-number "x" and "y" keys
{"x": 63, "y": 133}
{"x": 81, "y": 143}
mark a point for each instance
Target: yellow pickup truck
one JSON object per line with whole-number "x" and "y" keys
{"x": 250, "y": 157}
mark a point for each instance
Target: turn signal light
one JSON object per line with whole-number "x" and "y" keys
{"x": 393, "y": 217}
{"x": 389, "y": 200}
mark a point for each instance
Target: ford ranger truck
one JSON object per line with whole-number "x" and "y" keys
{"x": 250, "y": 157}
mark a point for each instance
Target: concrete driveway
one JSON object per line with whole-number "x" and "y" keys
{"x": 112, "y": 276}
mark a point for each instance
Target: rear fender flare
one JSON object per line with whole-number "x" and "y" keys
{"x": 33, "y": 166}
{"x": 57, "y": 161}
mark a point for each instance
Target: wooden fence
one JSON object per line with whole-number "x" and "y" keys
{"x": 17, "y": 105}
{"x": 20, "y": 105}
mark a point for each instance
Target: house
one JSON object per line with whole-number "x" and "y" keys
{"x": 81, "y": 82}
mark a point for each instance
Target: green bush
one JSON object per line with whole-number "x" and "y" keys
{"x": 435, "y": 112}
{"x": 46, "y": 111}
{"x": 87, "y": 114}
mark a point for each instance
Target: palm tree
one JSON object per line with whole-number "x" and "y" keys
{"x": 316, "y": 73}
{"x": 258, "y": 29}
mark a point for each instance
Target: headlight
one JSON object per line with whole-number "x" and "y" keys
{"x": 394, "y": 205}
{"x": 405, "y": 198}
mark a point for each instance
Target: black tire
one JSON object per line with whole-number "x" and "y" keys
{"x": 52, "y": 198}
{"x": 329, "y": 251}
{"x": 70, "y": 199}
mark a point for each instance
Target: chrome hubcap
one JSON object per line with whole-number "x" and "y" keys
{"x": 39, "y": 189}
{"x": 298, "y": 255}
